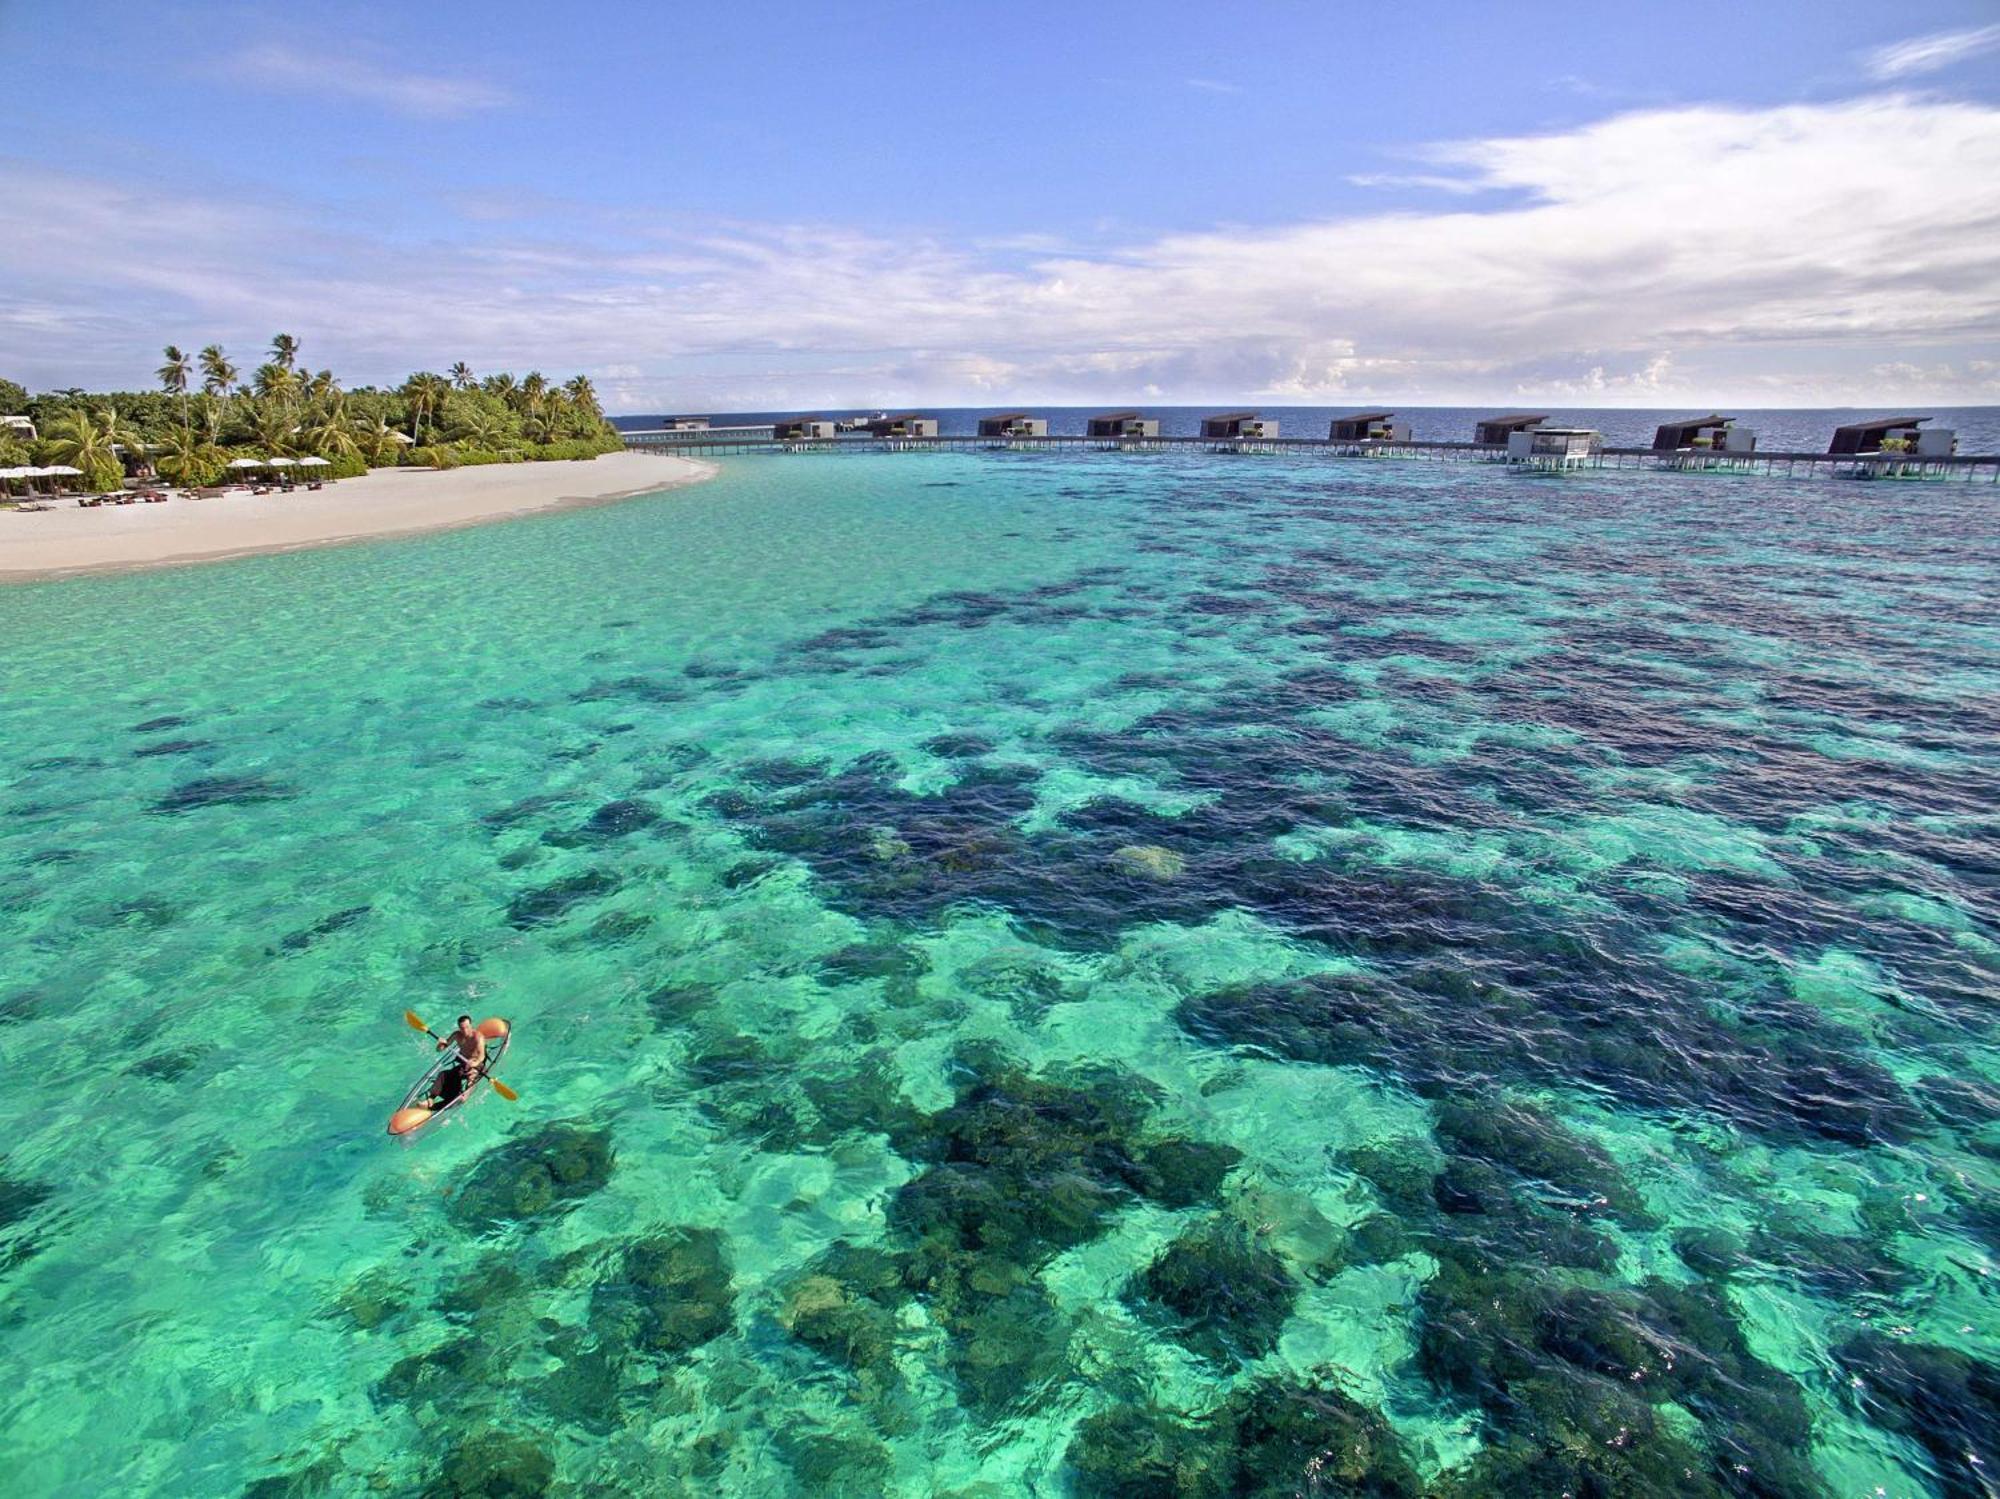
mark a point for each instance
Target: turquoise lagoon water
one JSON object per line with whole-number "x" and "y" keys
{"x": 1087, "y": 975}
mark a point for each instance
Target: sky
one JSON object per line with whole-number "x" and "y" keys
{"x": 766, "y": 206}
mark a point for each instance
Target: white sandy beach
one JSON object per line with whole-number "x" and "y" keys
{"x": 388, "y": 502}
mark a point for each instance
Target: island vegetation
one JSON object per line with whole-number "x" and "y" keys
{"x": 207, "y": 414}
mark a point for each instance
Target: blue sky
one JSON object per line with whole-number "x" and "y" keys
{"x": 767, "y": 205}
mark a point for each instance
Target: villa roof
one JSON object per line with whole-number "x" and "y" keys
{"x": 1232, "y": 416}
{"x": 1882, "y": 424}
{"x": 1009, "y": 416}
{"x": 1512, "y": 418}
{"x": 1117, "y": 416}
{"x": 1366, "y": 416}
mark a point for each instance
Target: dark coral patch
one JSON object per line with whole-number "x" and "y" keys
{"x": 326, "y": 926}
{"x": 541, "y": 1174}
{"x": 1226, "y": 1296}
{"x": 222, "y": 791}
{"x": 171, "y": 747}
{"x": 670, "y": 1293}
{"x": 551, "y": 902}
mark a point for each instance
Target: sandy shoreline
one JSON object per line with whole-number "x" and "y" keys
{"x": 68, "y": 542}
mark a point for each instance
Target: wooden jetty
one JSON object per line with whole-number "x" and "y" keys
{"x": 764, "y": 439}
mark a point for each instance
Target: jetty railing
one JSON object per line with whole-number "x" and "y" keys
{"x": 743, "y": 440}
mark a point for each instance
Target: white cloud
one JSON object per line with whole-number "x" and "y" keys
{"x": 1814, "y": 253}
{"x": 1927, "y": 54}
{"x": 1214, "y": 86}
{"x": 369, "y": 75}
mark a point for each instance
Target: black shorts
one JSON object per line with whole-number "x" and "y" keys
{"x": 450, "y": 1083}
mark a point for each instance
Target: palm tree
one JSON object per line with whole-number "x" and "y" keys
{"x": 275, "y": 382}
{"x": 543, "y": 422}
{"x": 582, "y": 394}
{"x": 186, "y": 458}
{"x": 425, "y": 392}
{"x": 173, "y": 373}
{"x": 275, "y": 427}
{"x": 85, "y": 440}
{"x": 217, "y": 373}
{"x": 333, "y": 435}
{"x": 375, "y": 440}
{"x": 534, "y": 385}
{"x": 503, "y": 385}
{"x": 461, "y": 376}
{"x": 284, "y": 350}
{"x": 477, "y": 426}
{"x": 211, "y": 416}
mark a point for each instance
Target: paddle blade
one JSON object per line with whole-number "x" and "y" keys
{"x": 410, "y": 1019}
{"x": 504, "y": 1091}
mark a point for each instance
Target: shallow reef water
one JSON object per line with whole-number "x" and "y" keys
{"x": 1177, "y": 975}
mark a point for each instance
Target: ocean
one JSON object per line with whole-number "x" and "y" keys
{"x": 1031, "y": 974}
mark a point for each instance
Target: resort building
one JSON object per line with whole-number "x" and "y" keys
{"x": 1368, "y": 426}
{"x": 1013, "y": 424}
{"x": 1715, "y": 432}
{"x": 685, "y": 424}
{"x": 1875, "y": 437}
{"x": 1555, "y": 447}
{"x": 1495, "y": 430}
{"x": 17, "y": 426}
{"x": 1122, "y": 424}
{"x": 803, "y": 429}
{"x": 909, "y": 424}
{"x": 1237, "y": 426}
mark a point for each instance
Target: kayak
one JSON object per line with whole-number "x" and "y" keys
{"x": 415, "y": 1114}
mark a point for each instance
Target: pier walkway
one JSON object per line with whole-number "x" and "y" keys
{"x": 1984, "y": 467}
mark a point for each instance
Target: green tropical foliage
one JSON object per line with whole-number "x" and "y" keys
{"x": 205, "y": 413}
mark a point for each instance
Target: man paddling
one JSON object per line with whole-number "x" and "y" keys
{"x": 463, "y": 1073}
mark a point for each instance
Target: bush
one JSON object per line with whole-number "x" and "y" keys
{"x": 353, "y": 466}
{"x": 431, "y": 455}
{"x": 577, "y": 447}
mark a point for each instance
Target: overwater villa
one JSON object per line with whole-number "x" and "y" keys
{"x": 1555, "y": 447}
{"x": 1122, "y": 424}
{"x": 803, "y": 429}
{"x": 909, "y": 424}
{"x": 1237, "y": 426}
{"x": 18, "y": 426}
{"x": 1495, "y": 430}
{"x": 1714, "y": 431}
{"x": 1893, "y": 435}
{"x": 1368, "y": 426}
{"x": 1013, "y": 424}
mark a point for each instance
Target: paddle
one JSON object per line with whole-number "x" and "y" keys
{"x": 410, "y": 1019}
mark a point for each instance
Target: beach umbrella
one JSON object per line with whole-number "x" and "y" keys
{"x": 315, "y": 462}
{"x": 281, "y": 463}
{"x": 64, "y": 470}
{"x": 246, "y": 463}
